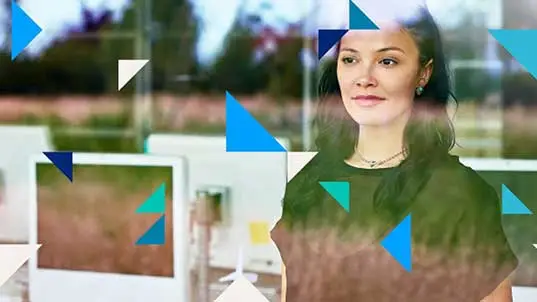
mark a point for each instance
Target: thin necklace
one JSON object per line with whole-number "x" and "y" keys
{"x": 374, "y": 163}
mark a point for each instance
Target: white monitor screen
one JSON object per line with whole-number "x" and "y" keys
{"x": 89, "y": 228}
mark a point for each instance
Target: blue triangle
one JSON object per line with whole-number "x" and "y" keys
{"x": 63, "y": 162}
{"x": 23, "y": 30}
{"x": 155, "y": 235}
{"x": 156, "y": 203}
{"x": 511, "y": 204}
{"x": 327, "y": 39}
{"x": 521, "y": 44}
{"x": 244, "y": 133}
{"x": 358, "y": 19}
{"x": 340, "y": 191}
{"x": 399, "y": 243}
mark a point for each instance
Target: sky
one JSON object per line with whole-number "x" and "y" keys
{"x": 217, "y": 16}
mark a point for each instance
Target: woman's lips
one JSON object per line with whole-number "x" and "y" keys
{"x": 368, "y": 100}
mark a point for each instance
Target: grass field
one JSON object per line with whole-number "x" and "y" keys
{"x": 206, "y": 115}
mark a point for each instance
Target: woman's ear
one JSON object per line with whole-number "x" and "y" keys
{"x": 425, "y": 74}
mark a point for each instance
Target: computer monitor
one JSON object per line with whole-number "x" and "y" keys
{"x": 253, "y": 185}
{"x": 19, "y": 144}
{"x": 89, "y": 228}
{"x": 520, "y": 177}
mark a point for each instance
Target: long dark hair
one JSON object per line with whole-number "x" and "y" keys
{"x": 429, "y": 135}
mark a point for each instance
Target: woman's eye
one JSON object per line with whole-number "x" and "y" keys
{"x": 348, "y": 60}
{"x": 388, "y": 62}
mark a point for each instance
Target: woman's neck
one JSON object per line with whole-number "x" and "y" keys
{"x": 383, "y": 145}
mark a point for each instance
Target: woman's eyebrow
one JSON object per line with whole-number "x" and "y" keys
{"x": 384, "y": 49}
{"x": 349, "y": 49}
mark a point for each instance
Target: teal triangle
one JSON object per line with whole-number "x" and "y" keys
{"x": 521, "y": 44}
{"x": 155, "y": 235}
{"x": 399, "y": 243}
{"x": 146, "y": 146}
{"x": 156, "y": 203}
{"x": 340, "y": 191}
{"x": 511, "y": 204}
{"x": 358, "y": 19}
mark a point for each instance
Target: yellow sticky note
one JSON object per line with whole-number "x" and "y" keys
{"x": 259, "y": 232}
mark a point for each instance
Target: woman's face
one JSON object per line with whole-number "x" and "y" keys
{"x": 378, "y": 72}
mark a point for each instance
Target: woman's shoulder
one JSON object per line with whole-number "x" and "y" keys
{"x": 453, "y": 177}
{"x": 314, "y": 170}
{"x": 461, "y": 191}
{"x": 304, "y": 187}
{"x": 458, "y": 189}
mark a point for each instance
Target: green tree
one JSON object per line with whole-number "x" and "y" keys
{"x": 174, "y": 53}
{"x": 235, "y": 68}
{"x": 173, "y": 34}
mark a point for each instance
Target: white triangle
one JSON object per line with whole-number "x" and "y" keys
{"x": 12, "y": 257}
{"x": 241, "y": 291}
{"x": 127, "y": 69}
{"x": 535, "y": 245}
{"x": 296, "y": 161}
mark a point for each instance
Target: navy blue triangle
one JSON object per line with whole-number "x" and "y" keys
{"x": 358, "y": 19}
{"x": 244, "y": 133}
{"x": 155, "y": 235}
{"x": 327, "y": 39}
{"x": 63, "y": 162}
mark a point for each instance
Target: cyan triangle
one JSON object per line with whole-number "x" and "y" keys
{"x": 156, "y": 203}
{"x": 63, "y": 161}
{"x": 399, "y": 243}
{"x": 328, "y": 38}
{"x": 358, "y": 19}
{"x": 521, "y": 44}
{"x": 511, "y": 204}
{"x": 155, "y": 235}
{"x": 244, "y": 133}
{"x": 23, "y": 30}
{"x": 146, "y": 146}
{"x": 340, "y": 191}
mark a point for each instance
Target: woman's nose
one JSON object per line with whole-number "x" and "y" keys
{"x": 365, "y": 81}
{"x": 365, "y": 78}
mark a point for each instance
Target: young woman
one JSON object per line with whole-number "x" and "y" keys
{"x": 382, "y": 126}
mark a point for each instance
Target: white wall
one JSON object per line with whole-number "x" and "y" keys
{"x": 257, "y": 182}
